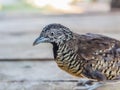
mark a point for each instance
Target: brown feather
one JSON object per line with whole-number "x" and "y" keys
{"x": 91, "y": 55}
{"x": 96, "y": 55}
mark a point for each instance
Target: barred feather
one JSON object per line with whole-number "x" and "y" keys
{"x": 91, "y": 55}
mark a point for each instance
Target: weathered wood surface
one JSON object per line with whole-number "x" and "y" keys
{"x": 18, "y": 34}
{"x": 32, "y": 75}
{"x": 39, "y": 75}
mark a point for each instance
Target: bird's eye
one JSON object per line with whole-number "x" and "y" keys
{"x": 52, "y": 33}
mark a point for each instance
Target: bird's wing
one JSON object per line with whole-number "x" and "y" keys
{"x": 93, "y": 46}
{"x": 96, "y": 50}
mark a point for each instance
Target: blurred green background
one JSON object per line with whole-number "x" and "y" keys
{"x": 54, "y": 6}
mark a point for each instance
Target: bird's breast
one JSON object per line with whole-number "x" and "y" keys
{"x": 67, "y": 60}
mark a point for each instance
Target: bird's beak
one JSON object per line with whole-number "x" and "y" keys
{"x": 40, "y": 40}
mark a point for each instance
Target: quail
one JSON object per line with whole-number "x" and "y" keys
{"x": 93, "y": 56}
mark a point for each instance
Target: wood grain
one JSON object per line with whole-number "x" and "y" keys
{"x": 39, "y": 75}
{"x": 17, "y": 34}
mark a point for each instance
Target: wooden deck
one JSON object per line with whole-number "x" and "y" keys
{"x": 17, "y": 34}
{"x": 24, "y": 67}
{"x": 39, "y": 75}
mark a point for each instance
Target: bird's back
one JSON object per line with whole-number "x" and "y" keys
{"x": 91, "y": 55}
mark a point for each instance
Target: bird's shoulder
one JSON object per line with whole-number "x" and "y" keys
{"x": 89, "y": 45}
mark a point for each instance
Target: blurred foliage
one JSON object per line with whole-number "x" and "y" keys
{"x": 20, "y": 6}
{"x": 23, "y": 5}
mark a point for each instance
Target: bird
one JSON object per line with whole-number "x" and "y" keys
{"x": 92, "y": 56}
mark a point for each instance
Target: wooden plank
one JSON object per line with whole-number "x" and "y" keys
{"x": 31, "y": 70}
{"x": 17, "y": 35}
{"x": 18, "y": 59}
{"x": 38, "y": 75}
{"x": 11, "y": 49}
{"x": 38, "y": 85}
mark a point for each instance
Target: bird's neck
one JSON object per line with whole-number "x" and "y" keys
{"x": 56, "y": 46}
{"x": 55, "y": 49}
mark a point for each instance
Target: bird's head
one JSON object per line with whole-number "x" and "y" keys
{"x": 54, "y": 33}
